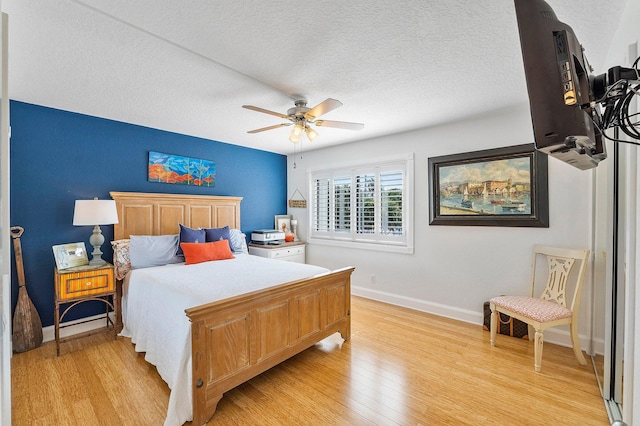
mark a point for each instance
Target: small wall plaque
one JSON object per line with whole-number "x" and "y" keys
{"x": 298, "y": 204}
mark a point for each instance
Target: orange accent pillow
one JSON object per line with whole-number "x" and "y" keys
{"x": 204, "y": 252}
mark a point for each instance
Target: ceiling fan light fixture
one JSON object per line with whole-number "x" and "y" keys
{"x": 311, "y": 134}
{"x": 296, "y": 132}
{"x": 301, "y": 117}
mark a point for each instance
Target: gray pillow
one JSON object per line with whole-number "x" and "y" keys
{"x": 238, "y": 241}
{"x": 153, "y": 250}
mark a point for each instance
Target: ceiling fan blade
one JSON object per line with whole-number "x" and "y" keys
{"x": 322, "y": 108}
{"x": 266, "y": 111}
{"x": 269, "y": 128}
{"x": 340, "y": 124}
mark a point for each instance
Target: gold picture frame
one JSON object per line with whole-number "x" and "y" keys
{"x": 70, "y": 255}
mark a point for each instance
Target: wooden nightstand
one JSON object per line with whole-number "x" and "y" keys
{"x": 292, "y": 252}
{"x": 81, "y": 284}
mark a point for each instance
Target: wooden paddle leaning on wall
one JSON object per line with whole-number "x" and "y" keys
{"x": 27, "y": 327}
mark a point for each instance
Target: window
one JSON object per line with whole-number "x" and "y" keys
{"x": 364, "y": 205}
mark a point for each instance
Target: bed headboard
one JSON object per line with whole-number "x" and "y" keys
{"x": 159, "y": 214}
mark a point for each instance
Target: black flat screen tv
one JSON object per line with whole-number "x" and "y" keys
{"x": 565, "y": 116}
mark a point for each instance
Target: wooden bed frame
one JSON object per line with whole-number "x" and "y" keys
{"x": 236, "y": 339}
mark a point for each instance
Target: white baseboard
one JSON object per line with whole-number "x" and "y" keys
{"x": 419, "y": 305}
{"x": 552, "y": 335}
{"x": 79, "y": 326}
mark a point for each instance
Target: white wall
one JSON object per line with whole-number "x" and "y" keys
{"x": 454, "y": 269}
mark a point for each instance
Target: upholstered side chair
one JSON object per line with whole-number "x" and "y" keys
{"x": 551, "y": 308}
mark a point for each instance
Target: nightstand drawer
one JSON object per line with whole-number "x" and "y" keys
{"x": 293, "y": 251}
{"x": 88, "y": 283}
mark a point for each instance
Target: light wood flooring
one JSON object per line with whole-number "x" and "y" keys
{"x": 401, "y": 367}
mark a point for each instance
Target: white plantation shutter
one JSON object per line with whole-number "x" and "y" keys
{"x": 391, "y": 188}
{"x": 321, "y": 205}
{"x": 342, "y": 204}
{"x": 364, "y": 205}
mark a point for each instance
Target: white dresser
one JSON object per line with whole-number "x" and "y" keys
{"x": 291, "y": 252}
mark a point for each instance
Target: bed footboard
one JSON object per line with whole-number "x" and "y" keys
{"x": 236, "y": 339}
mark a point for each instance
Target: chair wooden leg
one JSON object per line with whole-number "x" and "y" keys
{"x": 494, "y": 326}
{"x": 539, "y": 340}
{"x": 576, "y": 343}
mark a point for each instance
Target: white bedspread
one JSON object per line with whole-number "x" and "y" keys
{"x": 154, "y": 301}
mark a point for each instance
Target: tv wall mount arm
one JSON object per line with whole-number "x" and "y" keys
{"x": 614, "y": 90}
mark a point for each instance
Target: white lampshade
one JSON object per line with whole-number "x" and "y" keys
{"x": 311, "y": 134}
{"x": 95, "y": 212}
{"x": 295, "y": 133}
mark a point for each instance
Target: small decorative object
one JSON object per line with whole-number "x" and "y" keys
{"x": 175, "y": 169}
{"x": 95, "y": 212}
{"x": 300, "y": 204}
{"x": 27, "y": 326}
{"x": 294, "y": 229}
{"x": 70, "y": 255}
{"x": 282, "y": 223}
{"x": 495, "y": 187}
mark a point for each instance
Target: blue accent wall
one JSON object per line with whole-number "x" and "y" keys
{"x": 58, "y": 157}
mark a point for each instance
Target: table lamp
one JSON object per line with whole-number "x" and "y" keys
{"x": 95, "y": 213}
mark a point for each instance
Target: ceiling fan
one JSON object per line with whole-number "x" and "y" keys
{"x": 301, "y": 117}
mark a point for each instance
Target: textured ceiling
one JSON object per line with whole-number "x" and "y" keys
{"x": 188, "y": 66}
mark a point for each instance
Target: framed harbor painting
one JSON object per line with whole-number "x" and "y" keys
{"x": 495, "y": 187}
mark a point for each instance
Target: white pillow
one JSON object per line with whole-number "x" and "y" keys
{"x": 238, "y": 241}
{"x": 153, "y": 250}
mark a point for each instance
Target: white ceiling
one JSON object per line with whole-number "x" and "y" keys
{"x": 188, "y": 66}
